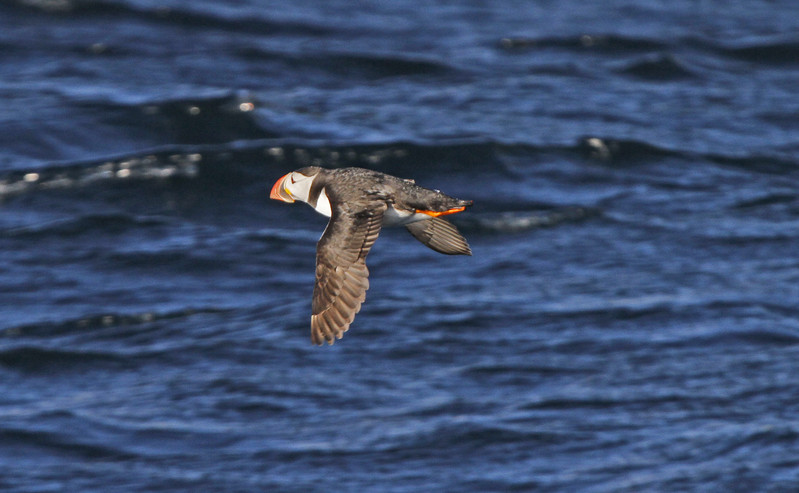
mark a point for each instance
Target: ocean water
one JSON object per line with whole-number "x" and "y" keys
{"x": 629, "y": 321}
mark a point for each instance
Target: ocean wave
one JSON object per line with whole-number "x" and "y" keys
{"x": 515, "y": 222}
{"x": 500, "y": 369}
{"x": 660, "y": 67}
{"x": 610, "y": 43}
{"x": 44, "y": 360}
{"x": 233, "y": 168}
{"x": 773, "y": 165}
{"x": 49, "y": 329}
{"x": 581, "y": 402}
{"x": 476, "y": 436}
{"x": 617, "y": 151}
{"x": 769, "y": 52}
{"x": 622, "y": 151}
{"x": 748, "y": 338}
{"x": 624, "y": 308}
{"x": 767, "y": 199}
{"x": 115, "y": 340}
{"x": 201, "y": 119}
{"x": 158, "y": 166}
{"x": 184, "y": 16}
{"x": 92, "y": 223}
{"x": 64, "y": 443}
{"x": 369, "y": 65}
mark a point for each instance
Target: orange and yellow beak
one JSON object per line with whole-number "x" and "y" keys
{"x": 279, "y": 191}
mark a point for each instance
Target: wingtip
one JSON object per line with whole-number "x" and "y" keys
{"x": 325, "y": 330}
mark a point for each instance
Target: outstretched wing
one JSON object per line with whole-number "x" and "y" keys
{"x": 341, "y": 274}
{"x": 440, "y": 235}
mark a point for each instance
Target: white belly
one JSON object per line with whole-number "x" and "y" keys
{"x": 323, "y": 204}
{"x": 393, "y": 217}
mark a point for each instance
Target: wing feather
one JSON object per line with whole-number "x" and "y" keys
{"x": 440, "y": 235}
{"x": 342, "y": 277}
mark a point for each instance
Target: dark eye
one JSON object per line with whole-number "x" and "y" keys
{"x": 293, "y": 181}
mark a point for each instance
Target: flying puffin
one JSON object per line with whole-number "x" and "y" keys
{"x": 359, "y": 202}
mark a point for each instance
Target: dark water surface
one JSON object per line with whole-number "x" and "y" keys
{"x": 629, "y": 320}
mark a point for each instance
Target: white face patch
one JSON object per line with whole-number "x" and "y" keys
{"x": 298, "y": 186}
{"x": 323, "y": 204}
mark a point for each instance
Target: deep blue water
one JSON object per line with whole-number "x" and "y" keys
{"x": 629, "y": 321}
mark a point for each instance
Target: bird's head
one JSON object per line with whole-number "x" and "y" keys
{"x": 295, "y": 185}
